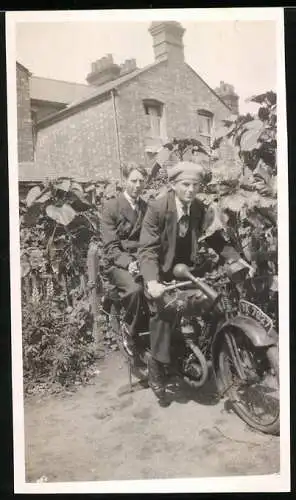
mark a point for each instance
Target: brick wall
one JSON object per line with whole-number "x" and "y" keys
{"x": 84, "y": 144}
{"x": 24, "y": 125}
{"x": 182, "y": 93}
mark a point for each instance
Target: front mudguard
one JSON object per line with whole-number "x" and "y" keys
{"x": 249, "y": 327}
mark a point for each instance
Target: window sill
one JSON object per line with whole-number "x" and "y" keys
{"x": 153, "y": 142}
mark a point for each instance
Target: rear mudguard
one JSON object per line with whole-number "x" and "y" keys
{"x": 251, "y": 328}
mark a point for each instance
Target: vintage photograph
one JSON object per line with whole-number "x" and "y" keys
{"x": 147, "y": 215}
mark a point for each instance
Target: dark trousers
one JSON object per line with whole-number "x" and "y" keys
{"x": 163, "y": 318}
{"x": 131, "y": 295}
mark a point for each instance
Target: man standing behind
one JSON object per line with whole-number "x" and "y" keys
{"x": 170, "y": 235}
{"x": 120, "y": 229}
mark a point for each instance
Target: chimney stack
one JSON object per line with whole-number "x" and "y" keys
{"x": 228, "y": 95}
{"x": 102, "y": 71}
{"x": 167, "y": 40}
{"x": 128, "y": 66}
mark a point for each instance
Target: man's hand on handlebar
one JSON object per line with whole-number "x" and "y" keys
{"x": 133, "y": 267}
{"x": 155, "y": 289}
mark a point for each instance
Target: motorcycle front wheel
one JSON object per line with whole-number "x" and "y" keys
{"x": 250, "y": 379}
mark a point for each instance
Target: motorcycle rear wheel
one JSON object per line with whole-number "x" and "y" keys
{"x": 139, "y": 368}
{"x": 244, "y": 370}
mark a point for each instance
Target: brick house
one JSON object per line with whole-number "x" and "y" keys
{"x": 24, "y": 122}
{"x": 37, "y": 98}
{"x": 127, "y": 113}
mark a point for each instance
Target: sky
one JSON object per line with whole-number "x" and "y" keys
{"x": 242, "y": 53}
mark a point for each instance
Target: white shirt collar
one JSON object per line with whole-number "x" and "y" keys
{"x": 131, "y": 201}
{"x": 180, "y": 208}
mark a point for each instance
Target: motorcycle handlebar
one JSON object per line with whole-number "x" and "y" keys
{"x": 206, "y": 289}
{"x": 177, "y": 285}
{"x": 183, "y": 271}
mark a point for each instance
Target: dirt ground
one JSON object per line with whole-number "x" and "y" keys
{"x": 103, "y": 432}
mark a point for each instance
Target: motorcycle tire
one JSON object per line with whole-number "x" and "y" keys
{"x": 224, "y": 375}
{"x": 138, "y": 367}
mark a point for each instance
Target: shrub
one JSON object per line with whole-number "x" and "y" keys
{"x": 58, "y": 348}
{"x": 58, "y": 221}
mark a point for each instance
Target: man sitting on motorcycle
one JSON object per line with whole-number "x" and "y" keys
{"x": 171, "y": 232}
{"x": 120, "y": 229}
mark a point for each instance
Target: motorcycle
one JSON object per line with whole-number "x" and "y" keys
{"x": 233, "y": 337}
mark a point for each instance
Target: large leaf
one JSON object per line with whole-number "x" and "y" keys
{"x": 249, "y": 139}
{"x": 76, "y": 186}
{"x": 32, "y": 195}
{"x": 260, "y": 98}
{"x": 44, "y": 197}
{"x": 235, "y": 203}
{"x": 163, "y": 155}
{"x": 89, "y": 188}
{"x": 63, "y": 215}
{"x": 214, "y": 220}
{"x": 63, "y": 184}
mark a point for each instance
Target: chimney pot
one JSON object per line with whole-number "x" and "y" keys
{"x": 103, "y": 70}
{"x": 227, "y": 93}
{"x": 127, "y": 66}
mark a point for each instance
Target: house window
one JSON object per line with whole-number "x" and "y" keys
{"x": 205, "y": 126}
{"x": 155, "y": 111}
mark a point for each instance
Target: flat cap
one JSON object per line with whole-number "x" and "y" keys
{"x": 186, "y": 170}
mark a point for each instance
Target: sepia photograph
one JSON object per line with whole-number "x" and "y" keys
{"x": 149, "y": 250}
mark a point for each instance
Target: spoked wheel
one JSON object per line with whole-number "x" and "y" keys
{"x": 250, "y": 376}
{"x": 119, "y": 327}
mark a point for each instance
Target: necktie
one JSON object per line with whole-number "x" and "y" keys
{"x": 137, "y": 209}
{"x": 184, "y": 223}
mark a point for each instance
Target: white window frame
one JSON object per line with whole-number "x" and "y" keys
{"x": 154, "y": 105}
{"x": 204, "y": 113}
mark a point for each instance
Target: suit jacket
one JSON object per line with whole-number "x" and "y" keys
{"x": 120, "y": 230}
{"x": 159, "y": 233}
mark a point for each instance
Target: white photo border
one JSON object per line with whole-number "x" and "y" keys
{"x": 268, "y": 483}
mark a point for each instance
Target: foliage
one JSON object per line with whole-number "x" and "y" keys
{"x": 254, "y": 137}
{"x": 57, "y": 345}
{"x": 182, "y": 147}
{"x": 58, "y": 221}
{"x": 251, "y": 208}
{"x": 244, "y": 190}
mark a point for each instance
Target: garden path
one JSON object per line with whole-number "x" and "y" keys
{"x": 103, "y": 432}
